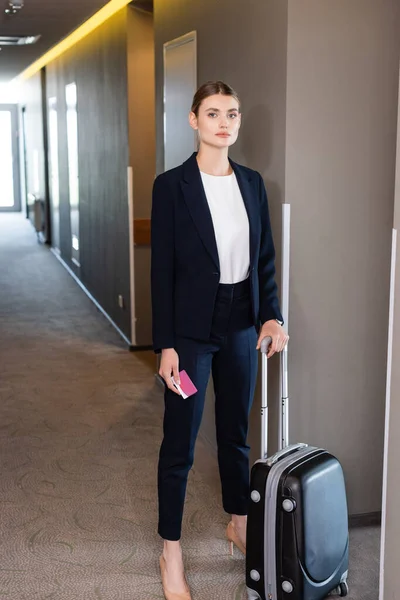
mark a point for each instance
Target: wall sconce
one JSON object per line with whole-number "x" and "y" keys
{"x": 13, "y": 6}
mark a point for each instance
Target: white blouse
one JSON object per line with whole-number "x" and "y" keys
{"x": 231, "y": 226}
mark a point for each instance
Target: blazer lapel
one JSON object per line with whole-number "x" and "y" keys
{"x": 196, "y": 201}
{"x": 246, "y": 184}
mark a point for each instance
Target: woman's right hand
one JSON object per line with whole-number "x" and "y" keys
{"x": 169, "y": 367}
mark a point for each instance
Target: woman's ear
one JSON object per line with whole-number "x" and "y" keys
{"x": 193, "y": 121}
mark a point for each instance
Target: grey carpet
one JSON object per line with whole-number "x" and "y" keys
{"x": 80, "y": 427}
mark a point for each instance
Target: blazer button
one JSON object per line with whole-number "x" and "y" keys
{"x": 216, "y": 273}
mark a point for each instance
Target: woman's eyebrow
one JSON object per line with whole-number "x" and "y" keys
{"x": 229, "y": 109}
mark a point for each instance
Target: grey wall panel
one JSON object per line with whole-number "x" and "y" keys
{"x": 56, "y": 88}
{"x": 31, "y": 99}
{"x": 143, "y": 296}
{"x": 98, "y": 66}
{"x": 341, "y": 135}
{"x": 141, "y": 105}
{"x": 246, "y": 47}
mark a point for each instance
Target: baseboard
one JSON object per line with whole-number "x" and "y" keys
{"x": 365, "y": 519}
{"x": 97, "y": 305}
{"x": 140, "y": 348}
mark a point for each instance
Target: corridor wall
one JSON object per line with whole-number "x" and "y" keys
{"x": 318, "y": 82}
{"x": 97, "y": 64}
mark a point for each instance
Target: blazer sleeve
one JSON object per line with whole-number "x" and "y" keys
{"x": 269, "y": 302}
{"x": 162, "y": 265}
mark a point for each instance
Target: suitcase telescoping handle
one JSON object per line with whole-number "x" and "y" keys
{"x": 284, "y": 401}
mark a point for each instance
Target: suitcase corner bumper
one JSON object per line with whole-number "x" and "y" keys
{"x": 252, "y": 594}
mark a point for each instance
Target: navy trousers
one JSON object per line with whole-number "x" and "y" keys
{"x": 231, "y": 356}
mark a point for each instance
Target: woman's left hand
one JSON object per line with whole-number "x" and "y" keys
{"x": 275, "y": 331}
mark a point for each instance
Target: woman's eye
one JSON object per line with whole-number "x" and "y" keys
{"x": 233, "y": 115}
{"x": 212, "y": 114}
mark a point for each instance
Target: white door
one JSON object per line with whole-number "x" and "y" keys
{"x": 10, "y": 199}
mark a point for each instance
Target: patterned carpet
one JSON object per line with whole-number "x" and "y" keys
{"x": 80, "y": 427}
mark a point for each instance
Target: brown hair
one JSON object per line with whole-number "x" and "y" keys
{"x": 210, "y": 88}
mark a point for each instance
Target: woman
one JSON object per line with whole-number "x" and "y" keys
{"x": 213, "y": 289}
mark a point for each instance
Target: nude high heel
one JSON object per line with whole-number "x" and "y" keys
{"x": 233, "y": 538}
{"x": 171, "y": 595}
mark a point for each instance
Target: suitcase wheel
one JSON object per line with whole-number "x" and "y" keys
{"x": 343, "y": 589}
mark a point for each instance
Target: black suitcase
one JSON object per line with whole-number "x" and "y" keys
{"x": 297, "y": 530}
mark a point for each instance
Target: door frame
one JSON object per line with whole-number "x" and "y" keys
{"x": 13, "y": 109}
{"x": 388, "y": 577}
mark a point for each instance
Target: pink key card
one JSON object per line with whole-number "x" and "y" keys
{"x": 187, "y": 387}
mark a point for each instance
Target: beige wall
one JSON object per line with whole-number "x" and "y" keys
{"x": 340, "y": 159}
{"x": 318, "y": 81}
{"x": 142, "y": 151}
{"x": 228, "y": 37}
{"x": 391, "y": 527}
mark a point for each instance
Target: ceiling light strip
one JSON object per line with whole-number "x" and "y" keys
{"x": 95, "y": 21}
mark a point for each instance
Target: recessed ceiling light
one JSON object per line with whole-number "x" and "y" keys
{"x": 14, "y": 5}
{"x": 18, "y": 40}
{"x": 30, "y": 39}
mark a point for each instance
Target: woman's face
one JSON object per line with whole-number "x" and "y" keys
{"x": 218, "y": 121}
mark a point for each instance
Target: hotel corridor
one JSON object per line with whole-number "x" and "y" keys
{"x": 80, "y": 427}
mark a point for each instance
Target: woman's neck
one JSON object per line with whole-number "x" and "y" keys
{"x": 214, "y": 161}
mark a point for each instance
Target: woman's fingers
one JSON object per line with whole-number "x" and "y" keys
{"x": 167, "y": 375}
{"x": 278, "y": 344}
{"x": 282, "y": 342}
{"x": 172, "y": 387}
{"x": 273, "y": 346}
{"x": 169, "y": 368}
{"x": 175, "y": 374}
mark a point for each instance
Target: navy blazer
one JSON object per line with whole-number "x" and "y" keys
{"x": 185, "y": 269}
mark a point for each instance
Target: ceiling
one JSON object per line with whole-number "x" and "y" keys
{"x": 53, "y": 19}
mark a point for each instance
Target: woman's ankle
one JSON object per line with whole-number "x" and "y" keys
{"x": 172, "y": 548}
{"x": 239, "y": 521}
